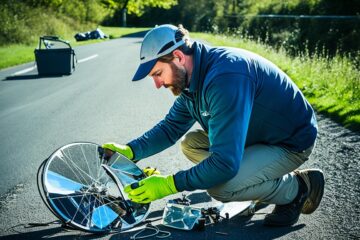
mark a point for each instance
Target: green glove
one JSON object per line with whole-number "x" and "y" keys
{"x": 149, "y": 171}
{"x": 152, "y": 188}
{"x": 122, "y": 149}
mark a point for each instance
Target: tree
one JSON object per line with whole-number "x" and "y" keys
{"x": 137, "y": 7}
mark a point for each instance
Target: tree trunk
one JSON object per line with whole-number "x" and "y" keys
{"x": 123, "y": 13}
{"x": 123, "y": 17}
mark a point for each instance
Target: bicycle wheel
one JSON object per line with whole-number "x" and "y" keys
{"x": 85, "y": 190}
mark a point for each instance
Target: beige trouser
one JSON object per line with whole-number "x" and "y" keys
{"x": 265, "y": 172}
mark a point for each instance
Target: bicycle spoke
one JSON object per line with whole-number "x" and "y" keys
{"x": 68, "y": 165}
{"x": 66, "y": 196}
{"x": 83, "y": 194}
{"x": 81, "y": 171}
{"x": 78, "y": 208}
{"x": 86, "y": 160}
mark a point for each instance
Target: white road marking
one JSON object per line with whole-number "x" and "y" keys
{"x": 24, "y": 71}
{"x": 34, "y": 67}
{"x": 88, "y": 58}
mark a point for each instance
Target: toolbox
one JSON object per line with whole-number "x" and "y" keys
{"x": 54, "y": 56}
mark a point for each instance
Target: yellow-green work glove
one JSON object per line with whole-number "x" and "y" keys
{"x": 152, "y": 188}
{"x": 122, "y": 149}
{"x": 149, "y": 171}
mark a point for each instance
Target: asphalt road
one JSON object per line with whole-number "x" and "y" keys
{"x": 99, "y": 103}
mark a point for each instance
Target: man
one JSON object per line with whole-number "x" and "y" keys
{"x": 257, "y": 127}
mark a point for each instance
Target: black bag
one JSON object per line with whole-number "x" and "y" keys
{"x": 52, "y": 59}
{"x": 96, "y": 34}
{"x": 82, "y": 36}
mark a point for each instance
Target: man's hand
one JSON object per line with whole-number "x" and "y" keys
{"x": 122, "y": 149}
{"x": 152, "y": 188}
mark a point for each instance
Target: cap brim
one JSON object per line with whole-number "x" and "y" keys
{"x": 144, "y": 69}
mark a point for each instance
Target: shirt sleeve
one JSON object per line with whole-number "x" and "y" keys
{"x": 163, "y": 135}
{"x": 230, "y": 98}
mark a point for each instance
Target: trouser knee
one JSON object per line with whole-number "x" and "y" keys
{"x": 186, "y": 142}
{"x": 220, "y": 195}
{"x": 195, "y": 146}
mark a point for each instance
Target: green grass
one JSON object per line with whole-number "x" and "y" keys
{"x": 332, "y": 85}
{"x": 15, "y": 54}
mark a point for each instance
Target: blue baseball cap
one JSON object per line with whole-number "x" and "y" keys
{"x": 158, "y": 42}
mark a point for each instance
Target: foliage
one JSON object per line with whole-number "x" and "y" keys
{"x": 135, "y": 8}
{"x": 298, "y": 34}
{"x": 24, "y": 22}
{"x": 199, "y": 16}
{"x": 242, "y": 16}
{"x": 84, "y": 10}
{"x": 138, "y": 7}
{"x": 196, "y": 16}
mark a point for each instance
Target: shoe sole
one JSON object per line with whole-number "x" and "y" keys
{"x": 317, "y": 183}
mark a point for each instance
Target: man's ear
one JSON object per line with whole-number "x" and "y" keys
{"x": 180, "y": 56}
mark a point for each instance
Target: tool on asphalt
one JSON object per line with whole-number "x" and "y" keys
{"x": 179, "y": 213}
{"x": 54, "y": 56}
{"x": 181, "y": 216}
{"x": 85, "y": 191}
{"x": 232, "y": 209}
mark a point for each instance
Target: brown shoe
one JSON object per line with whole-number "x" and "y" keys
{"x": 314, "y": 180}
{"x": 288, "y": 214}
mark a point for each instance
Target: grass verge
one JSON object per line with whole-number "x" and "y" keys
{"x": 15, "y": 54}
{"x": 331, "y": 85}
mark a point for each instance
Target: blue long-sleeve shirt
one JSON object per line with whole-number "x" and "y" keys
{"x": 240, "y": 99}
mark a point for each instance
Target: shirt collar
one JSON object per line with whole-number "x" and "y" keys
{"x": 195, "y": 76}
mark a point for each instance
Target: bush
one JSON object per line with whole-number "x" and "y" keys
{"x": 24, "y": 21}
{"x": 332, "y": 35}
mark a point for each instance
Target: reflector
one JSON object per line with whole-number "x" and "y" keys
{"x": 85, "y": 190}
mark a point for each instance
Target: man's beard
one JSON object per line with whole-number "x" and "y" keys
{"x": 180, "y": 79}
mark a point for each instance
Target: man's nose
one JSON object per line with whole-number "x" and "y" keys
{"x": 158, "y": 82}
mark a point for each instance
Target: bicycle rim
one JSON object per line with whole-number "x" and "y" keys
{"x": 85, "y": 190}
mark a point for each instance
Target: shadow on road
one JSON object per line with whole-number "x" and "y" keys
{"x": 30, "y": 77}
{"x": 237, "y": 228}
{"x": 135, "y": 35}
{"x": 48, "y": 233}
{"x": 200, "y": 197}
{"x": 234, "y": 229}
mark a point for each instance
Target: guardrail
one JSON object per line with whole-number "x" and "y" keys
{"x": 357, "y": 17}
